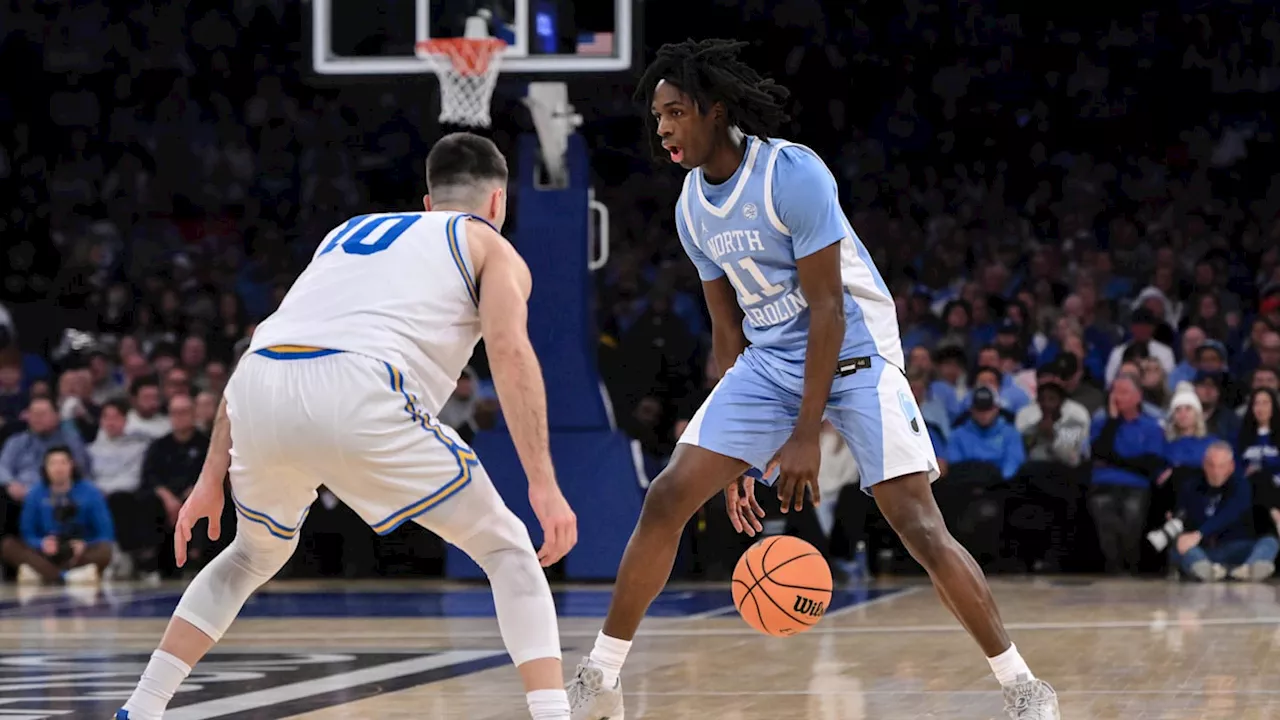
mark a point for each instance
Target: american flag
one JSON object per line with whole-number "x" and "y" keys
{"x": 595, "y": 43}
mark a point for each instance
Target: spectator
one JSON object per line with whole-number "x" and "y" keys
{"x": 986, "y": 437}
{"x": 117, "y": 457}
{"x": 1221, "y": 422}
{"x": 951, "y": 384}
{"x": 75, "y": 403}
{"x": 206, "y": 408}
{"x": 1142, "y": 326}
{"x": 145, "y": 416}
{"x": 1155, "y": 384}
{"x": 1128, "y": 455}
{"x": 993, "y": 379}
{"x": 1185, "y": 371}
{"x": 104, "y": 381}
{"x": 1067, "y": 368}
{"x": 176, "y": 382}
{"x": 1218, "y": 539}
{"x": 22, "y": 459}
{"x": 1259, "y": 435}
{"x": 171, "y": 467}
{"x": 1185, "y": 432}
{"x": 66, "y": 531}
{"x": 1055, "y": 428}
{"x": 935, "y": 417}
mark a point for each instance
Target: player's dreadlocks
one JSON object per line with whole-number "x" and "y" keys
{"x": 709, "y": 71}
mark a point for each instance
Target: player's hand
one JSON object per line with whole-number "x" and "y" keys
{"x": 559, "y": 524}
{"x": 49, "y": 545}
{"x": 205, "y": 501}
{"x": 798, "y": 463}
{"x": 77, "y": 549}
{"x": 743, "y": 508}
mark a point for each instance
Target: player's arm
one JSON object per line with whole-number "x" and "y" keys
{"x": 806, "y": 202}
{"x": 727, "y": 338}
{"x": 505, "y": 284}
{"x": 218, "y": 460}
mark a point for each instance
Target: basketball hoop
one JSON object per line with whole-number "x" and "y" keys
{"x": 468, "y": 73}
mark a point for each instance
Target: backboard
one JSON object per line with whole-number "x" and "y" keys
{"x": 544, "y": 37}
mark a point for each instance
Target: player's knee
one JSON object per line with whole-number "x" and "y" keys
{"x": 668, "y": 502}
{"x": 260, "y": 556}
{"x": 923, "y": 532}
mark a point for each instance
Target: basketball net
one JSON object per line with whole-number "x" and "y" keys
{"x": 468, "y": 71}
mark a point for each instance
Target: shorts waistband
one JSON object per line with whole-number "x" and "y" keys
{"x": 295, "y": 352}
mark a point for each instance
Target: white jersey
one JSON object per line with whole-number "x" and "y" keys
{"x": 397, "y": 287}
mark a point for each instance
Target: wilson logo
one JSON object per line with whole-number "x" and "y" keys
{"x": 812, "y": 608}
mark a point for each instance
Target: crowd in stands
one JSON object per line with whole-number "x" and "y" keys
{"x": 1087, "y": 265}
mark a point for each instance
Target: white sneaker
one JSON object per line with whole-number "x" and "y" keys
{"x": 589, "y": 699}
{"x": 1240, "y": 573}
{"x": 1031, "y": 700}
{"x": 83, "y": 575}
{"x": 27, "y": 575}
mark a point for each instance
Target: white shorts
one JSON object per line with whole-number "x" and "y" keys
{"x": 304, "y": 419}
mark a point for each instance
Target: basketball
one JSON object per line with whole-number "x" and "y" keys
{"x": 782, "y": 586}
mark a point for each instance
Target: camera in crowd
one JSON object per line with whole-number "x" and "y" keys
{"x": 64, "y": 514}
{"x": 1161, "y": 537}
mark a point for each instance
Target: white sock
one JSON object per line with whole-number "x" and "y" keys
{"x": 1010, "y": 668}
{"x": 608, "y": 656}
{"x": 548, "y": 704}
{"x": 156, "y": 688}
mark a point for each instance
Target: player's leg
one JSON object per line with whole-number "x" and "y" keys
{"x": 744, "y": 421}
{"x": 477, "y": 522}
{"x": 886, "y": 432}
{"x": 272, "y": 499}
{"x": 414, "y": 469}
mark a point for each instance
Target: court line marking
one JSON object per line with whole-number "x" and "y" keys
{"x": 654, "y": 632}
{"x": 880, "y": 693}
{"x": 307, "y": 688}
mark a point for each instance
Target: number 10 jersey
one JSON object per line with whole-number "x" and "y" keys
{"x": 396, "y": 287}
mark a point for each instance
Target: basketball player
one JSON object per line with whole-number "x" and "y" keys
{"x": 340, "y": 387}
{"x": 805, "y": 328}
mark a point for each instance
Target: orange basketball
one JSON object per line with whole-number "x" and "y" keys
{"x": 782, "y": 586}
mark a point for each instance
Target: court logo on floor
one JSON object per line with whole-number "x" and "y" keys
{"x": 232, "y": 685}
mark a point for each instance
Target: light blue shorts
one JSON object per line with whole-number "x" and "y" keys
{"x": 753, "y": 409}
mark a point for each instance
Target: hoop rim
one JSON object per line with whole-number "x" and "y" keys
{"x": 468, "y": 56}
{"x": 444, "y": 43}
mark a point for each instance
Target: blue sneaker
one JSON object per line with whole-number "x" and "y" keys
{"x": 122, "y": 714}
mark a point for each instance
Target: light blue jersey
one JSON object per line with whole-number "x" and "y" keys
{"x": 782, "y": 205}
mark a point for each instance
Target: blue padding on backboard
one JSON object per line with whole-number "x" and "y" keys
{"x": 598, "y": 477}
{"x": 551, "y": 236}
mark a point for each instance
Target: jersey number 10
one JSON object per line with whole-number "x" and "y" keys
{"x": 353, "y": 235}
{"x": 767, "y": 289}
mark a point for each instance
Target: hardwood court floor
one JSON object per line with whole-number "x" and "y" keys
{"x": 1114, "y": 649}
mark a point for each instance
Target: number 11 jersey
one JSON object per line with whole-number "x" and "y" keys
{"x": 779, "y": 207}
{"x": 396, "y": 287}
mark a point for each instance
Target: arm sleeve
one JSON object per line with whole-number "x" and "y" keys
{"x": 1239, "y": 501}
{"x": 707, "y": 269}
{"x": 806, "y": 201}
